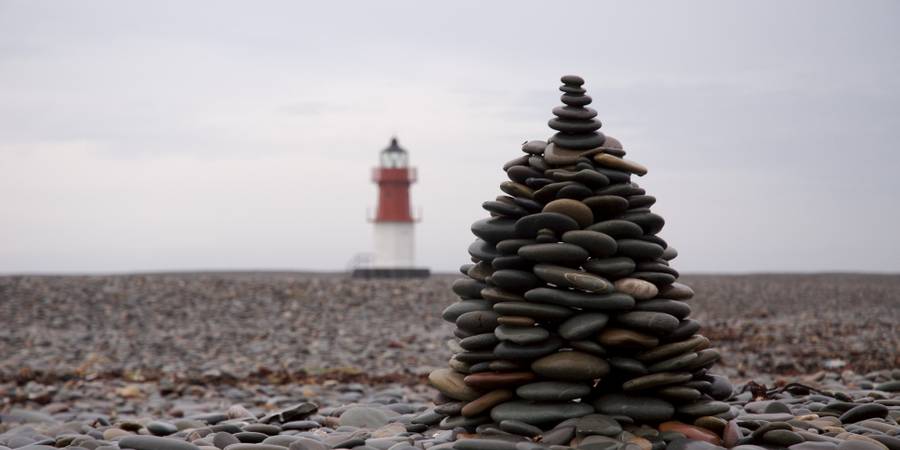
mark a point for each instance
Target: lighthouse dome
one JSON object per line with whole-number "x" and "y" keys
{"x": 394, "y": 156}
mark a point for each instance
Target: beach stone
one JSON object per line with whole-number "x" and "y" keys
{"x": 539, "y": 413}
{"x": 618, "y": 229}
{"x": 863, "y": 412}
{"x": 495, "y": 229}
{"x": 553, "y": 391}
{"x": 452, "y": 384}
{"x": 649, "y": 321}
{"x": 483, "y": 444}
{"x": 598, "y": 245}
{"x": 638, "y": 249}
{"x": 626, "y": 339}
{"x": 155, "y": 443}
{"x": 597, "y": 424}
{"x": 534, "y": 147}
{"x": 691, "y": 432}
{"x": 365, "y": 417}
{"x": 515, "y": 280}
{"x": 604, "y": 302}
{"x": 654, "y": 380}
{"x": 638, "y": 408}
{"x": 677, "y": 291}
{"x": 639, "y": 289}
{"x": 494, "y": 380}
{"x": 520, "y": 428}
{"x": 675, "y": 308}
{"x": 570, "y": 366}
{"x": 528, "y": 226}
{"x": 521, "y": 335}
{"x": 486, "y": 402}
{"x": 583, "y": 326}
{"x": 509, "y": 350}
{"x": 572, "y": 278}
{"x": 572, "y": 208}
{"x": 535, "y": 310}
{"x": 673, "y": 349}
{"x": 477, "y": 322}
{"x": 617, "y": 163}
{"x": 556, "y": 253}
{"x": 612, "y": 268}
{"x": 703, "y": 408}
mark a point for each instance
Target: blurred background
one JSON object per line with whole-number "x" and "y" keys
{"x": 208, "y": 135}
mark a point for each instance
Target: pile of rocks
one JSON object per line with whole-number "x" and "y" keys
{"x": 571, "y": 307}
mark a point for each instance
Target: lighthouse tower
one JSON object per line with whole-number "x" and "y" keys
{"x": 394, "y": 224}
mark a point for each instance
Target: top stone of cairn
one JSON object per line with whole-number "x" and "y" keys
{"x": 570, "y": 307}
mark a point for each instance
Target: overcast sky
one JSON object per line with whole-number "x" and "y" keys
{"x": 216, "y": 135}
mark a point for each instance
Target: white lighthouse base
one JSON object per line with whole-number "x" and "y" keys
{"x": 394, "y": 253}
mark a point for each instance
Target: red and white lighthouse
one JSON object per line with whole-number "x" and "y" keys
{"x": 394, "y": 224}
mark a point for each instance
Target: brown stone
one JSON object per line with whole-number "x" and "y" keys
{"x": 493, "y": 380}
{"x": 486, "y": 402}
{"x": 691, "y": 432}
{"x": 622, "y": 164}
{"x": 639, "y": 289}
{"x": 622, "y": 338}
{"x": 452, "y": 384}
{"x": 572, "y": 208}
{"x": 516, "y": 321}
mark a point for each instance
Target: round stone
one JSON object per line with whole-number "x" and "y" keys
{"x": 626, "y": 339}
{"x": 535, "y": 310}
{"x": 557, "y": 253}
{"x": 617, "y": 229}
{"x": 582, "y": 326}
{"x": 638, "y": 249}
{"x": 640, "y": 409}
{"x": 685, "y": 329}
{"x": 650, "y": 321}
{"x": 601, "y": 302}
{"x": 494, "y": 294}
{"x": 598, "y": 245}
{"x": 521, "y": 335}
{"x": 572, "y": 208}
{"x": 529, "y": 226}
{"x": 452, "y": 384}
{"x": 570, "y": 366}
{"x": 680, "y": 394}
{"x": 553, "y": 391}
{"x": 572, "y": 278}
{"x": 520, "y": 428}
{"x": 655, "y": 380}
{"x": 539, "y": 413}
{"x": 639, "y": 289}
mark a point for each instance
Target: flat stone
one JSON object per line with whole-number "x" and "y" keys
{"x": 677, "y": 291}
{"x": 655, "y": 380}
{"x": 675, "y": 363}
{"x": 477, "y": 322}
{"x": 539, "y": 413}
{"x": 520, "y": 428}
{"x": 515, "y": 280}
{"x": 618, "y": 229}
{"x": 606, "y": 206}
{"x": 482, "y": 250}
{"x": 570, "y": 366}
{"x": 452, "y": 312}
{"x": 598, "y": 424}
{"x": 509, "y": 350}
{"x": 483, "y": 444}
{"x": 574, "y": 125}
{"x": 535, "y": 147}
{"x": 557, "y": 253}
{"x": 486, "y": 402}
{"x": 495, "y": 229}
{"x": 567, "y": 277}
{"x": 535, "y": 310}
{"x": 155, "y": 443}
{"x": 516, "y": 189}
{"x": 610, "y": 267}
{"x": 483, "y": 341}
{"x": 553, "y": 391}
{"x": 512, "y": 246}
{"x": 528, "y": 226}
{"x": 694, "y": 444}
{"x": 617, "y": 163}
{"x": 516, "y": 321}
{"x": 495, "y": 295}
{"x": 679, "y": 394}
{"x": 703, "y": 408}
{"x": 626, "y": 339}
{"x": 583, "y": 326}
{"x": 160, "y": 428}
{"x": 521, "y": 335}
{"x": 452, "y": 384}
{"x": 647, "y": 321}
{"x": 569, "y": 112}
{"x": 675, "y": 308}
{"x": 365, "y": 417}
{"x": 495, "y": 380}
{"x": 638, "y": 249}
{"x": 640, "y": 409}
{"x": 863, "y": 412}
{"x": 639, "y": 289}
{"x": 691, "y": 432}
{"x": 627, "y": 365}
{"x": 580, "y": 141}
{"x": 783, "y": 438}
{"x": 598, "y": 245}
{"x": 603, "y": 302}
{"x": 673, "y": 349}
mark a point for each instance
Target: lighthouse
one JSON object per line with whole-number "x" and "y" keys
{"x": 394, "y": 255}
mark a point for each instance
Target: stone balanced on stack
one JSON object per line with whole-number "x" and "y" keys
{"x": 571, "y": 308}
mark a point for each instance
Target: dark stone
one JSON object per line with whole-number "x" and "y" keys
{"x": 863, "y": 412}
{"x": 603, "y": 302}
{"x": 557, "y": 253}
{"x": 482, "y": 250}
{"x": 468, "y": 287}
{"x": 582, "y": 326}
{"x": 539, "y": 413}
{"x": 529, "y": 226}
{"x": 452, "y": 312}
{"x": 509, "y": 350}
{"x": 654, "y": 322}
{"x": 598, "y": 245}
{"x": 618, "y": 229}
{"x": 640, "y": 409}
{"x": 534, "y": 310}
{"x": 568, "y": 112}
{"x": 495, "y": 229}
{"x": 583, "y": 141}
{"x": 478, "y": 321}
{"x": 574, "y": 126}
{"x": 534, "y": 147}
{"x": 637, "y": 249}
{"x": 553, "y": 391}
{"x": 612, "y": 268}
{"x": 674, "y": 307}
{"x": 504, "y": 209}
{"x": 515, "y": 280}
{"x": 155, "y": 443}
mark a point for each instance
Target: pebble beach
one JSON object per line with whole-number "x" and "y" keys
{"x": 172, "y": 361}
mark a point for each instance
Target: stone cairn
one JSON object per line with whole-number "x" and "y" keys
{"x": 570, "y": 320}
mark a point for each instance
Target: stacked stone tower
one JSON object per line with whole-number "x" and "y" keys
{"x": 570, "y": 306}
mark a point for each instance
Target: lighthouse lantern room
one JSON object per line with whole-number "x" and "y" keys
{"x": 394, "y": 224}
